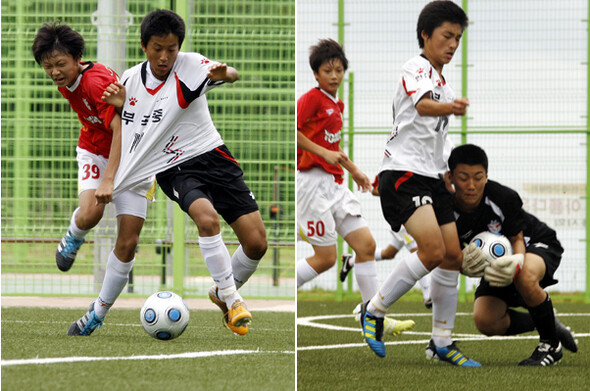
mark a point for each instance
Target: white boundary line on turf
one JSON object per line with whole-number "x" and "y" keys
{"x": 57, "y": 360}
{"x": 310, "y": 322}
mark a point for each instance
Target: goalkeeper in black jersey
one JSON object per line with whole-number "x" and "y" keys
{"x": 516, "y": 280}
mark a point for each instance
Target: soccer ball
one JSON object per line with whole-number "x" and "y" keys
{"x": 164, "y": 315}
{"x": 492, "y": 245}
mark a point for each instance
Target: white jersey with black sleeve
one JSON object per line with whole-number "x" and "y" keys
{"x": 417, "y": 143}
{"x": 164, "y": 125}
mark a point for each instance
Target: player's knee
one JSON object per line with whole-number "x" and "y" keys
{"x": 327, "y": 262}
{"x": 88, "y": 218}
{"x": 207, "y": 224}
{"x": 257, "y": 248}
{"x": 366, "y": 252}
{"x": 125, "y": 247}
{"x": 527, "y": 284}
{"x": 483, "y": 324}
{"x": 432, "y": 256}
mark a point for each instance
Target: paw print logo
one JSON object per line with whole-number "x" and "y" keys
{"x": 132, "y": 101}
{"x": 204, "y": 61}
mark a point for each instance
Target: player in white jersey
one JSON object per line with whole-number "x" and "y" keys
{"x": 412, "y": 191}
{"x": 167, "y": 130}
{"x": 398, "y": 240}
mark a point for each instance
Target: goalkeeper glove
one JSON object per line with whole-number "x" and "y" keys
{"x": 474, "y": 261}
{"x": 503, "y": 271}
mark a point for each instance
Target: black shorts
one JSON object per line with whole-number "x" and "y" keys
{"x": 214, "y": 175}
{"x": 551, "y": 254}
{"x": 402, "y": 192}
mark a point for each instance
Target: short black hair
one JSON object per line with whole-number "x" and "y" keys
{"x": 58, "y": 37}
{"x": 469, "y": 154}
{"x": 161, "y": 23}
{"x": 326, "y": 50}
{"x": 435, "y": 13}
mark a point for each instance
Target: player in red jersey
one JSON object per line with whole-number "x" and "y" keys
{"x": 325, "y": 206}
{"x": 59, "y": 50}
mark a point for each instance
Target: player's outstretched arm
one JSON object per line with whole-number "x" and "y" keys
{"x": 114, "y": 95}
{"x": 223, "y": 72}
{"x": 363, "y": 182}
{"x": 429, "y": 107}
{"x": 332, "y": 157}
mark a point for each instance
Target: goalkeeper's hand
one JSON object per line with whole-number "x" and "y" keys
{"x": 474, "y": 261}
{"x": 503, "y": 271}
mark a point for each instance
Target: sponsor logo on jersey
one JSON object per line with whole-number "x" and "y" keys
{"x": 332, "y": 137}
{"x": 541, "y": 245}
{"x": 94, "y": 119}
{"x": 495, "y": 226}
{"x": 86, "y": 104}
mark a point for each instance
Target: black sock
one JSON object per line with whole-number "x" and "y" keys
{"x": 544, "y": 319}
{"x": 520, "y": 322}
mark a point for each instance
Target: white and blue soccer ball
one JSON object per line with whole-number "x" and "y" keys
{"x": 492, "y": 245}
{"x": 164, "y": 315}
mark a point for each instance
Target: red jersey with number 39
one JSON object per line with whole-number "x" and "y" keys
{"x": 319, "y": 118}
{"x": 94, "y": 114}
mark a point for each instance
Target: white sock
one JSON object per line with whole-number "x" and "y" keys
{"x": 242, "y": 267}
{"x": 378, "y": 256}
{"x": 425, "y": 286}
{"x": 77, "y": 232}
{"x": 444, "y": 293}
{"x": 115, "y": 279}
{"x": 403, "y": 277}
{"x": 218, "y": 263}
{"x": 365, "y": 274}
{"x": 305, "y": 272}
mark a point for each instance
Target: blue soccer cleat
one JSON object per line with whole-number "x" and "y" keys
{"x": 372, "y": 327}
{"x": 66, "y": 251}
{"x": 450, "y": 354}
{"x": 86, "y": 324}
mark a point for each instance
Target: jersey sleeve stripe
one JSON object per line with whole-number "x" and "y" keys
{"x": 185, "y": 95}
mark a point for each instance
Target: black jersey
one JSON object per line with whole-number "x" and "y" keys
{"x": 500, "y": 211}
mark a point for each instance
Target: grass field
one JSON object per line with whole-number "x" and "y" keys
{"x": 331, "y": 353}
{"x": 121, "y": 356}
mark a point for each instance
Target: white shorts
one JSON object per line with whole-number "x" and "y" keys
{"x": 325, "y": 208}
{"x": 133, "y": 202}
{"x": 402, "y": 238}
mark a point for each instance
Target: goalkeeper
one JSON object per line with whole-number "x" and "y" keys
{"x": 516, "y": 280}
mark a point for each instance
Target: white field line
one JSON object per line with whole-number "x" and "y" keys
{"x": 310, "y": 321}
{"x": 58, "y": 360}
{"x": 128, "y": 325}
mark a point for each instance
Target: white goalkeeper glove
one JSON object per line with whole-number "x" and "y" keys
{"x": 503, "y": 271}
{"x": 474, "y": 261}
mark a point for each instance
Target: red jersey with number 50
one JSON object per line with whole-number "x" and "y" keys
{"x": 319, "y": 118}
{"x": 96, "y": 115}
